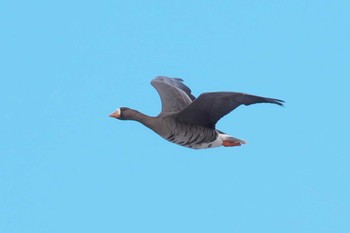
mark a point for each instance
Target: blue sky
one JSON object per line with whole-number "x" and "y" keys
{"x": 66, "y": 167}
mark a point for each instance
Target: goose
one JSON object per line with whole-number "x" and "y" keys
{"x": 189, "y": 121}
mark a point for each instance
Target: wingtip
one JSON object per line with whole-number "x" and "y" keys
{"x": 278, "y": 102}
{"x": 281, "y": 103}
{"x": 179, "y": 79}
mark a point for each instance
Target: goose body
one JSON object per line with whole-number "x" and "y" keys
{"x": 194, "y": 136}
{"x": 189, "y": 121}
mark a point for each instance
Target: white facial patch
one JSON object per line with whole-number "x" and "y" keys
{"x": 118, "y": 112}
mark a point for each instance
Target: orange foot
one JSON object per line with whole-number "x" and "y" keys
{"x": 227, "y": 143}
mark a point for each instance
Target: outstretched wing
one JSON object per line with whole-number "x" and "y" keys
{"x": 175, "y": 95}
{"x": 210, "y": 107}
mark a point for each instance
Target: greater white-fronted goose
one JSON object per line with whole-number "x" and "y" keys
{"x": 189, "y": 121}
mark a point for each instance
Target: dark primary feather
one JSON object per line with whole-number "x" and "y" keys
{"x": 175, "y": 95}
{"x": 210, "y": 107}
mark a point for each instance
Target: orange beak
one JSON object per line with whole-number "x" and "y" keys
{"x": 115, "y": 114}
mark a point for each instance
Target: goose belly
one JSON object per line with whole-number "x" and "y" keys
{"x": 196, "y": 140}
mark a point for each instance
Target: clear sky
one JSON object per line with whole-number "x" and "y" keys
{"x": 65, "y": 166}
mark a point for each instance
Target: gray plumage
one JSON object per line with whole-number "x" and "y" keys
{"x": 189, "y": 121}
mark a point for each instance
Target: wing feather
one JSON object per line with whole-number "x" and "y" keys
{"x": 210, "y": 107}
{"x": 174, "y": 95}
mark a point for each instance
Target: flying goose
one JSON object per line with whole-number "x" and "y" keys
{"x": 189, "y": 121}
